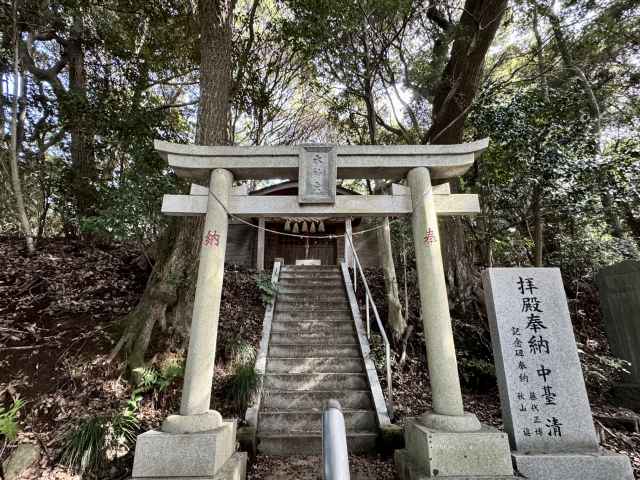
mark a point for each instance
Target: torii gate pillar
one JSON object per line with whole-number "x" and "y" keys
{"x": 198, "y": 443}
{"x": 441, "y": 352}
{"x": 198, "y": 376}
{"x": 446, "y": 442}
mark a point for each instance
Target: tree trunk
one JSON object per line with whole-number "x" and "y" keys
{"x": 394, "y": 308}
{"x": 168, "y": 297}
{"x": 461, "y": 77}
{"x": 538, "y": 227}
{"x": 13, "y": 155}
{"x": 83, "y": 173}
{"x": 454, "y": 96}
{"x": 395, "y": 318}
{"x": 538, "y": 215}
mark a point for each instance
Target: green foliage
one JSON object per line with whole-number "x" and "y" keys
{"x": 601, "y": 372}
{"x": 242, "y": 353}
{"x": 476, "y": 373}
{"x": 543, "y": 151}
{"x": 131, "y": 209}
{"x": 268, "y": 289}
{"x": 158, "y": 379}
{"x": 84, "y": 447}
{"x": 242, "y": 386}
{"x": 124, "y": 427}
{"x": 378, "y": 354}
{"x": 9, "y": 420}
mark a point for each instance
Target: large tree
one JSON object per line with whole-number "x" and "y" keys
{"x": 61, "y": 28}
{"x": 454, "y": 95}
{"x": 168, "y": 297}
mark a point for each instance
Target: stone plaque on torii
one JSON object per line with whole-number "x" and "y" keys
{"x": 448, "y": 433}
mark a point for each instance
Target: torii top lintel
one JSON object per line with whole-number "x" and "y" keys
{"x": 353, "y": 161}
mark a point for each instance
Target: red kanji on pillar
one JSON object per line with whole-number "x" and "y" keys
{"x": 430, "y": 237}
{"x": 212, "y": 239}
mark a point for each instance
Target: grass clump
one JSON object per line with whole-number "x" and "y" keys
{"x": 9, "y": 420}
{"x": 86, "y": 447}
{"x": 242, "y": 386}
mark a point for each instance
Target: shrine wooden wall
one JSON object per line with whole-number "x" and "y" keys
{"x": 242, "y": 243}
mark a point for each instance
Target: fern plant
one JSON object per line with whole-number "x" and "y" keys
{"x": 268, "y": 289}
{"x": 9, "y": 420}
{"x": 150, "y": 378}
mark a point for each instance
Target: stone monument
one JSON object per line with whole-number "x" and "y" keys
{"x": 619, "y": 287}
{"x": 545, "y": 407}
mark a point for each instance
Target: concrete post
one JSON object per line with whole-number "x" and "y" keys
{"x": 441, "y": 352}
{"x": 348, "y": 256}
{"x": 198, "y": 377}
{"x": 260, "y": 249}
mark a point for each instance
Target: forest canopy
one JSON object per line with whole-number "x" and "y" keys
{"x": 87, "y": 87}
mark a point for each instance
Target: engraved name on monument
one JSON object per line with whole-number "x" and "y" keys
{"x": 544, "y": 401}
{"x": 317, "y": 174}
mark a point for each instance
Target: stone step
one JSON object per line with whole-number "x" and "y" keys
{"x": 302, "y": 443}
{"x": 315, "y": 381}
{"x": 317, "y": 302}
{"x": 324, "y": 308}
{"x": 310, "y": 281}
{"x": 317, "y": 326}
{"x": 313, "y": 338}
{"x": 315, "y": 295}
{"x": 309, "y": 268}
{"x": 288, "y": 350}
{"x": 310, "y": 271}
{"x": 302, "y": 400}
{"x": 314, "y": 316}
{"x": 311, "y": 421}
{"x": 303, "y": 289}
{"x": 315, "y": 365}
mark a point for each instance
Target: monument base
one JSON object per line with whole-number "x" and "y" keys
{"x": 205, "y": 455}
{"x": 475, "y": 455}
{"x": 573, "y": 466}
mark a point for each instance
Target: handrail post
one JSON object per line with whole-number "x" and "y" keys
{"x": 368, "y": 327}
{"x": 355, "y": 272}
{"x": 335, "y": 457}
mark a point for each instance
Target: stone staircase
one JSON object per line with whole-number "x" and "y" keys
{"x": 313, "y": 356}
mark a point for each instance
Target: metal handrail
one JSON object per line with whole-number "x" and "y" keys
{"x": 335, "y": 457}
{"x": 369, "y": 301}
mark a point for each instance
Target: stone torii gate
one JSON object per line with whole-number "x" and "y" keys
{"x": 317, "y": 168}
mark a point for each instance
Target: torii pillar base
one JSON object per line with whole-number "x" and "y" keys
{"x": 435, "y": 452}
{"x": 205, "y": 455}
